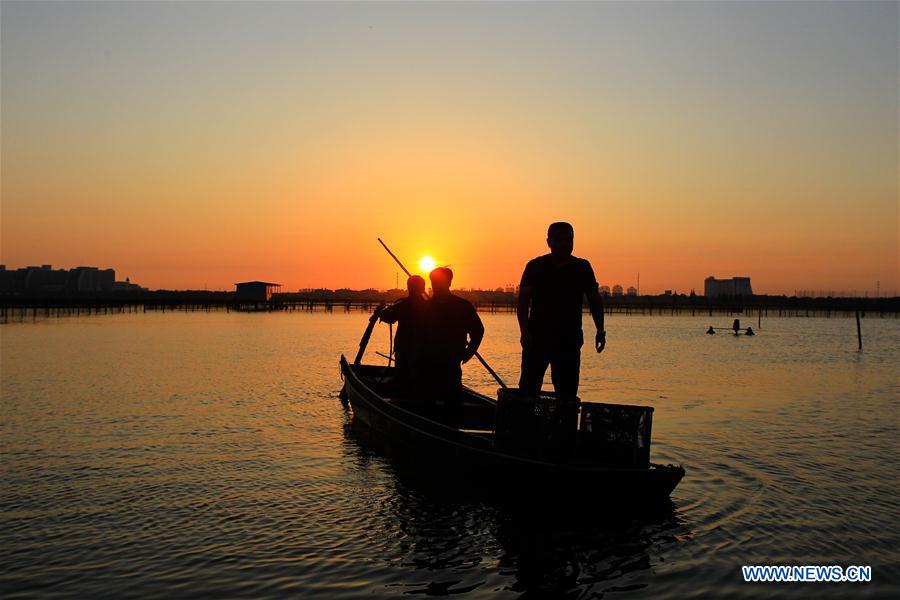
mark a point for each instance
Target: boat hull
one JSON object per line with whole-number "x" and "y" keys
{"x": 417, "y": 439}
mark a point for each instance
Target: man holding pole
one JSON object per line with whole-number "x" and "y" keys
{"x": 551, "y": 295}
{"x": 409, "y": 314}
{"x": 458, "y": 311}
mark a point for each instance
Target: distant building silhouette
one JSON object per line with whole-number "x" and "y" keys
{"x": 735, "y": 286}
{"x": 251, "y": 292}
{"x": 617, "y": 290}
{"x": 604, "y": 290}
{"x": 631, "y": 291}
{"x": 46, "y": 281}
{"x": 90, "y": 279}
{"x": 127, "y": 286}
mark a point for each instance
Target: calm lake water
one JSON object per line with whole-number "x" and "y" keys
{"x": 207, "y": 454}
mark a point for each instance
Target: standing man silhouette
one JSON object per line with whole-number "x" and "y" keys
{"x": 551, "y": 295}
{"x": 409, "y": 314}
{"x": 454, "y": 333}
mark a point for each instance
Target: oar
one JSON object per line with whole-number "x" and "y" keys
{"x": 368, "y": 333}
{"x": 477, "y": 355}
{"x": 490, "y": 370}
{"x": 408, "y": 274}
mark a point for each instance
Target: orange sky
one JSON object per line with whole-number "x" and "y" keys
{"x": 192, "y": 146}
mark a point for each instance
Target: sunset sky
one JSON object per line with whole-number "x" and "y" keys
{"x": 192, "y": 145}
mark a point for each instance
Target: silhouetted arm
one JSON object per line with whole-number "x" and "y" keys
{"x": 476, "y": 334}
{"x": 392, "y": 313}
{"x": 525, "y": 293}
{"x": 526, "y": 296}
{"x": 595, "y": 301}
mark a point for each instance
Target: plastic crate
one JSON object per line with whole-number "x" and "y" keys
{"x": 615, "y": 434}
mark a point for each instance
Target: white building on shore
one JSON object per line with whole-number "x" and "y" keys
{"x": 735, "y": 286}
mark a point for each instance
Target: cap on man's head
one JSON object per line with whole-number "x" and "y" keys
{"x": 559, "y": 226}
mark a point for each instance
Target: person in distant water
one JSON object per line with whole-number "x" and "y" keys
{"x": 551, "y": 295}
{"x": 409, "y": 314}
{"x": 454, "y": 333}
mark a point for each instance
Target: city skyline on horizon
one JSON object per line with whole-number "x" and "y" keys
{"x": 607, "y": 286}
{"x": 197, "y": 145}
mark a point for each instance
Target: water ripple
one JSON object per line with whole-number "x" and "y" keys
{"x": 214, "y": 459}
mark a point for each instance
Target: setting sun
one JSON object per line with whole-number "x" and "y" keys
{"x": 426, "y": 264}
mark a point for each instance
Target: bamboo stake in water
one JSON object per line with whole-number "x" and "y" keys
{"x": 858, "y": 330}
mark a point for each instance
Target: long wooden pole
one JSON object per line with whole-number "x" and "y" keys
{"x": 394, "y": 256}
{"x": 490, "y": 370}
{"x": 477, "y": 355}
{"x": 367, "y": 334}
{"x": 858, "y": 330}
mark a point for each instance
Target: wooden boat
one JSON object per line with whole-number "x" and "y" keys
{"x": 473, "y": 443}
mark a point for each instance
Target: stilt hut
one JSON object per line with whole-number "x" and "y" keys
{"x": 254, "y": 293}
